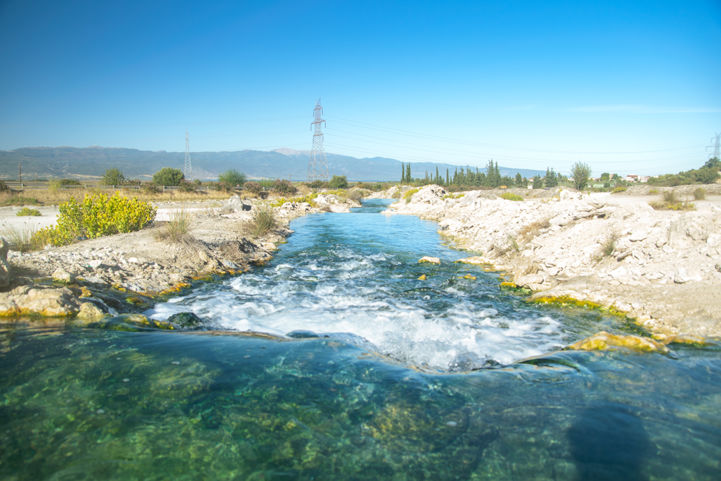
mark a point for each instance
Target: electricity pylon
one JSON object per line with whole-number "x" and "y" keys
{"x": 188, "y": 167}
{"x": 317, "y": 165}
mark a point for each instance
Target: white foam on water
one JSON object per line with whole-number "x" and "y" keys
{"x": 343, "y": 292}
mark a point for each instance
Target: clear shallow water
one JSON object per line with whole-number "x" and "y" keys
{"x": 355, "y": 277}
{"x": 99, "y": 404}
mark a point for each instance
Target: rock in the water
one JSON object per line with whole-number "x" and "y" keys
{"x": 61, "y": 275}
{"x": 186, "y": 320}
{"x": 89, "y": 312}
{"x": 429, "y": 260}
{"x": 4, "y": 265}
{"x": 603, "y": 341}
{"x": 48, "y": 302}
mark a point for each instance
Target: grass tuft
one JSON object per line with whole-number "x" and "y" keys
{"x": 262, "y": 222}
{"x": 511, "y": 196}
{"x": 177, "y": 228}
{"x": 699, "y": 193}
{"x": 22, "y": 240}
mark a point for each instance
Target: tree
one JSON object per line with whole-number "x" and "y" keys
{"x": 338, "y": 182}
{"x": 581, "y": 173}
{"x": 537, "y": 182}
{"x": 231, "y": 179}
{"x": 518, "y": 180}
{"x": 168, "y": 176}
{"x": 551, "y": 179}
{"x": 113, "y": 177}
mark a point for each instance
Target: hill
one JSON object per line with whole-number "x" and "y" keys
{"x": 68, "y": 162}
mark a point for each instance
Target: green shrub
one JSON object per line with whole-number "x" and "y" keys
{"x": 511, "y": 196}
{"x": 27, "y": 211}
{"x": 409, "y": 194}
{"x": 699, "y": 193}
{"x": 168, "y": 177}
{"x": 97, "y": 215}
{"x": 618, "y": 188}
{"x": 338, "y": 182}
{"x": 262, "y": 222}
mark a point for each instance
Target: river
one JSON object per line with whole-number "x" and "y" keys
{"x": 362, "y": 371}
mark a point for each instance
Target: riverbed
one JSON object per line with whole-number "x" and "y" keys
{"x": 335, "y": 361}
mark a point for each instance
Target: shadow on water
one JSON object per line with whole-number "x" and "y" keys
{"x": 608, "y": 442}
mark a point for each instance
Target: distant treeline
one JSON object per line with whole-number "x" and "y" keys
{"x": 707, "y": 174}
{"x": 489, "y": 177}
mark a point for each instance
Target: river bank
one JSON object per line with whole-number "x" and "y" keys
{"x": 661, "y": 267}
{"x": 64, "y": 281}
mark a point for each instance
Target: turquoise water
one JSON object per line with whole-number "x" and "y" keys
{"x": 100, "y": 404}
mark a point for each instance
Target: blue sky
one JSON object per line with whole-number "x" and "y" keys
{"x": 627, "y": 86}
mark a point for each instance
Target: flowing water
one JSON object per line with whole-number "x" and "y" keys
{"x": 370, "y": 374}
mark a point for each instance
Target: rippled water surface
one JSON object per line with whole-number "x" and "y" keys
{"x": 100, "y": 404}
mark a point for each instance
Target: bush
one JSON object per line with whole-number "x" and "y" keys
{"x": 27, "y": 211}
{"x": 168, "y": 177}
{"x": 3, "y": 186}
{"x": 409, "y": 194}
{"x": 619, "y": 188}
{"x": 97, "y": 215}
{"x": 699, "y": 194}
{"x": 580, "y": 173}
{"x": 284, "y": 187}
{"x": 318, "y": 184}
{"x": 231, "y": 179}
{"x": 338, "y": 182}
{"x": 253, "y": 187}
{"x": 151, "y": 188}
{"x": 113, "y": 177}
{"x": 670, "y": 196}
{"x": 262, "y": 222}
{"x": 511, "y": 196}
{"x": 186, "y": 186}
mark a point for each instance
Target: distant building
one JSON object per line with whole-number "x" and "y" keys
{"x": 642, "y": 179}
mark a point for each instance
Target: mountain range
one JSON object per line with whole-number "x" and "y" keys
{"x": 74, "y": 162}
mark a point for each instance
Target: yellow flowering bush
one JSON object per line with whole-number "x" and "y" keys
{"x": 97, "y": 215}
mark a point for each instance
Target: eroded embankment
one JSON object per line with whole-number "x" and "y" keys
{"x": 662, "y": 268}
{"x": 126, "y": 273}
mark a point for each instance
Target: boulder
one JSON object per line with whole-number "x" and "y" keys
{"x": 61, "y": 275}
{"x": 43, "y": 301}
{"x": 5, "y": 274}
{"x": 429, "y": 260}
{"x": 187, "y": 320}
{"x": 89, "y": 312}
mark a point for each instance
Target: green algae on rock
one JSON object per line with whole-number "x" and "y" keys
{"x": 604, "y": 341}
